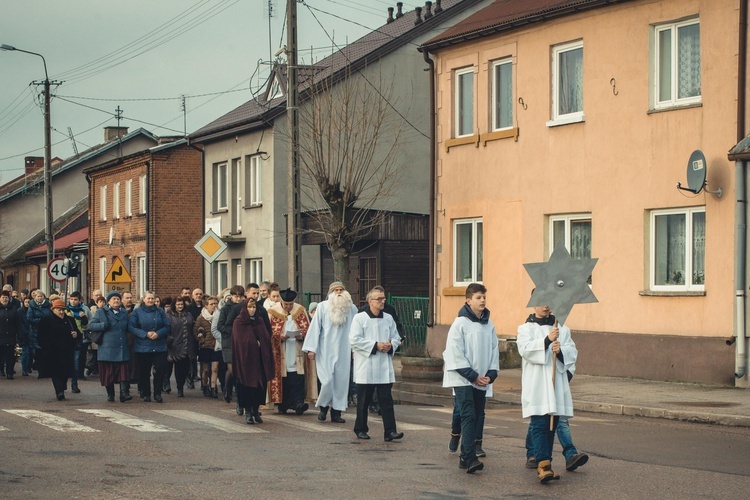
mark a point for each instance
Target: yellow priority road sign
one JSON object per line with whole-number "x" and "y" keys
{"x": 117, "y": 273}
{"x": 210, "y": 246}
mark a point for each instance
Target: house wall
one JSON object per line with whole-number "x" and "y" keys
{"x": 619, "y": 164}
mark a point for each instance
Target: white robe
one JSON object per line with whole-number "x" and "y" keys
{"x": 333, "y": 356}
{"x": 538, "y": 395}
{"x": 470, "y": 344}
{"x": 366, "y": 330}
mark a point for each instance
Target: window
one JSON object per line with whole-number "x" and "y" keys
{"x": 502, "y": 95}
{"x": 141, "y": 277}
{"x": 677, "y": 68}
{"x": 222, "y": 275}
{"x": 467, "y": 251}
{"x": 220, "y": 187}
{"x": 102, "y": 275}
{"x": 103, "y": 203}
{"x": 237, "y": 266}
{"x": 253, "y": 176}
{"x": 129, "y": 198}
{"x": 116, "y": 201}
{"x": 567, "y": 83}
{"x": 573, "y": 231}
{"x": 678, "y": 243}
{"x": 254, "y": 270}
{"x": 142, "y": 194}
{"x": 236, "y": 197}
{"x": 464, "y": 114}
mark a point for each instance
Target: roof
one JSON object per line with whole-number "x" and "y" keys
{"x": 63, "y": 242}
{"x": 505, "y": 15}
{"x": 17, "y": 185}
{"x": 741, "y": 152}
{"x": 154, "y": 149}
{"x": 368, "y": 49}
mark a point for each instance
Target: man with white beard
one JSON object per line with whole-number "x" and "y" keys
{"x": 327, "y": 342}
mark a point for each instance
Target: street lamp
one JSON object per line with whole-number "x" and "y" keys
{"x": 47, "y": 161}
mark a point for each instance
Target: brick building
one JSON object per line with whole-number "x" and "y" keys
{"x": 142, "y": 209}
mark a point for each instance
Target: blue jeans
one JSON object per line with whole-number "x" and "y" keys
{"x": 563, "y": 435}
{"x": 542, "y": 438}
{"x": 470, "y": 402}
{"x": 456, "y": 421}
{"x": 76, "y": 358}
{"x": 27, "y": 358}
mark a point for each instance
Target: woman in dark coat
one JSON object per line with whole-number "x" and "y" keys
{"x": 252, "y": 361}
{"x": 178, "y": 341}
{"x": 56, "y": 335}
{"x": 113, "y": 353}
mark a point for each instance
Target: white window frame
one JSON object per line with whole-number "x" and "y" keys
{"x": 495, "y": 66}
{"x": 236, "y": 185}
{"x": 475, "y": 258}
{"x": 674, "y": 101}
{"x": 141, "y": 276}
{"x": 129, "y": 198}
{"x": 557, "y": 118}
{"x": 102, "y": 275}
{"x": 254, "y": 270}
{"x": 116, "y": 201}
{"x": 142, "y": 194}
{"x": 457, "y": 102}
{"x": 688, "y": 286}
{"x": 103, "y": 203}
{"x": 254, "y": 179}
{"x": 567, "y": 219}
{"x": 221, "y": 178}
{"x": 222, "y": 274}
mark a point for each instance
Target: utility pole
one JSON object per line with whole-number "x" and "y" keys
{"x": 294, "y": 244}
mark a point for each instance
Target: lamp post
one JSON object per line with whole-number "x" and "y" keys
{"x": 47, "y": 160}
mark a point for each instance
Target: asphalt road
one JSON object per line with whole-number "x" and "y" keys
{"x": 195, "y": 447}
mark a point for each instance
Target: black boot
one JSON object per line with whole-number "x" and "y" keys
{"x": 336, "y": 417}
{"x": 323, "y": 413}
{"x": 125, "y": 392}
{"x": 110, "y": 392}
{"x": 256, "y": 415}
{"x": 73, "y": 386}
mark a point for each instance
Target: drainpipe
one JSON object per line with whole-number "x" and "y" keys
{"x": 741, "y": 353}
{"x": 431, "y": 293}
{"x": 203, "y": 211}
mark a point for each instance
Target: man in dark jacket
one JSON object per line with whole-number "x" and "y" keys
{"x": 39, "y": 308}
{"x": 195, "y": 308}
{"x": 227, "y": 315}
{"x": 10, "y": 326}
{"x": 81, "y": 314}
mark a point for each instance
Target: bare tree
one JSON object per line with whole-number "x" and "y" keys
{"x": 348, "y": 137}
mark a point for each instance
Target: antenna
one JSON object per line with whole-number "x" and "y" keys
{"x": 73, "y": 140}
{"x": 183, "y": 108}
{"x": 696, "y": 175}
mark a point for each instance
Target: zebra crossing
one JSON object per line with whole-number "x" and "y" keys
{"x": 90, "y": 420}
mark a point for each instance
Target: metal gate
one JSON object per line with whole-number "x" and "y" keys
{"x": 414, "y": 314}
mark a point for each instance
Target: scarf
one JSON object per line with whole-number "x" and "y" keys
{"x": 548, "y": 321}
{"x": 207, "y": 315}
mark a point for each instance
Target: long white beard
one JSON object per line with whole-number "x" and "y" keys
{"x": 340, "y": 306}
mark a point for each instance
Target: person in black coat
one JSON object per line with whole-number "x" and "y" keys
{"x": 57, "y": 335}
{"x": 10, "y": 328}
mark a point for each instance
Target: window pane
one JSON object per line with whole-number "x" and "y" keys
{"x": 558, "y": 233}
{"x": 480, "y": 237}
{"x": 503, "y": 95}
{"x": 665, "y": 65}
{"x": 465, "y": 103}
{"x": 699, "y": 248}
{"x": 463, "y": 253}
{"x": 669, "y": 255}
{"x": 688, "y": 61}
{"x": 580, "y": 239}
{"x": 570, "y": 81}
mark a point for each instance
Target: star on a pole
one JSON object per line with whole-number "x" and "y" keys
{"x": 561, "y": 282}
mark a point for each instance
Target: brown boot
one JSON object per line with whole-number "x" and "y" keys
{"x": 545, "y": 472}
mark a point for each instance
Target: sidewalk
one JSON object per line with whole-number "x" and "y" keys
{"x": 616, "y": 396}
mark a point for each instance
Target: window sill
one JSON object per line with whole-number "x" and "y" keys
{"x": 220, "y": 211}
{"x": 461, "y": 141}
{"x": 652, "y": 293}
{"x": 674, "y": 107}
{"x": 454, "y": 291}
{"x": 500, "y": 134}
{"x": 254, "y": 205}
{"x": 567, "y": 120}
{"x": 142, "y": 214}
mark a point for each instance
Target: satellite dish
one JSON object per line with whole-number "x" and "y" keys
{"x": 696, "y": 174}
{"x": 111, "y": 234}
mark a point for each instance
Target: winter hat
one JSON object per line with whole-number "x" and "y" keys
{"x": 311, "y": 308}
{"x": 58, "y": 304}
{"x": 335, "y": 284}
{"x": 113, "y": 293}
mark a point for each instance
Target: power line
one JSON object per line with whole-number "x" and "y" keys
{"x": 124, "y": 117}
{"x": 151, "y": 98}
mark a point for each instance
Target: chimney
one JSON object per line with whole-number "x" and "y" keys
{"x": 438, "y": 7}
{"x": 399, "y": 6}
{"x": 114, "y": 133}
{"x": 33, "y": 164}
{"x": 390, "y": 16}
{"x": 418, "y": 11}
{"x": 428, "y": 10}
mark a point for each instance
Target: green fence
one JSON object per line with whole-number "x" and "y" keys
{"x": 414, "y": 312}
{"x": 308, "y": 297}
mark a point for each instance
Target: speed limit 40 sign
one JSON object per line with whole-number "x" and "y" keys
{"x": 57, "y": 271}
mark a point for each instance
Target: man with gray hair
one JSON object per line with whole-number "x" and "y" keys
{"x": 327, "y": 342}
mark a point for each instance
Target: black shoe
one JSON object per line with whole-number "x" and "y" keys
{"x": 473, "y": 465}
{"x": 362, "y": 435}
{"x": 531, "y": 463}
{"x": 453, "y": 444}
{"x": 281, "y": 411}
{"x": 146, "y": 399}
{"x": 167, "y": 388}
{"x": 461, "y": 463}
{"x": 180, "y": 393}
{"x": 61, "y": 396}
{"x": 206, "y": 391}
{"x": 249, "y": 418}
{"x": 240, "y": 410}
{"x": 336, "y": 417}
{"x": 479, "y": 451}
{"x": 214, "y": 393}
{"x": 190, "y": 383}
{"x": 394, "y": 435}
{"x": 322, "y": 414}
{"x": 158, "y": 399}
{"x": 302, "y": 409}
{"x": 256, "y": 416}
{"x": 228, "y": 396}
{"x": 576, "y": 461}
{"x": 73, "y": 387}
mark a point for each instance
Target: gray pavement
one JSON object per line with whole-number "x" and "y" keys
{"x": 611, "y": 395}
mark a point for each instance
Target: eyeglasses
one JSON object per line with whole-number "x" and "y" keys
{"x": 379, "y": 299}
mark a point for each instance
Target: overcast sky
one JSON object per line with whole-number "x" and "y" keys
{"x": 142, "y": 55}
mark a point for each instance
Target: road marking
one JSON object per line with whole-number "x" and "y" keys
{"x": 440, "y": 409}
{"x": 130, "y": 421}
{"x": 52, "y": 421}
{"x": 3, "y": 428}
{"x": 403, "y": 425}
{"x": 207, "y": 420}
{"x": 306, "y": 423}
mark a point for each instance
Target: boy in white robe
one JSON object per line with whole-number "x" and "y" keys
{"x": 545, "y": 391}
{"x": 374, "y": 338}
{"x": 471, "y": 362}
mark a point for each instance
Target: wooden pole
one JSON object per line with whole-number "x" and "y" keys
{"x": 554, "y": 369}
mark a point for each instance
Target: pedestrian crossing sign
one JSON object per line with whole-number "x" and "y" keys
{"x": 117, "y": 273}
